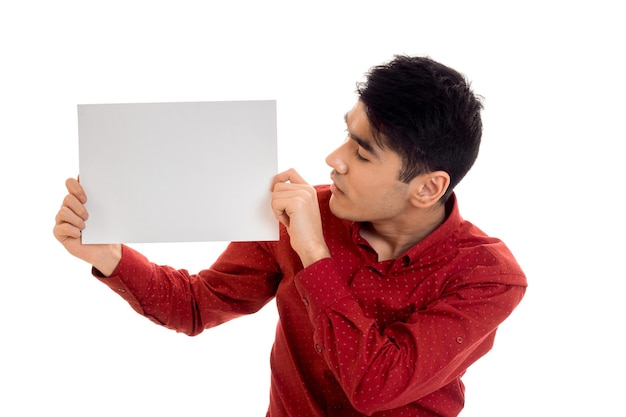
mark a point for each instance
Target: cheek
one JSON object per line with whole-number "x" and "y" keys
{"x": 368, "y": 182}
{"x": 385, "y": 195}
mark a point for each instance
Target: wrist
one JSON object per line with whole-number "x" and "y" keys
{"x": 108, "y": 259}
{"x": 311, "y": 256}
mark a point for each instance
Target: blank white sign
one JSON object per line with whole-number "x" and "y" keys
{"x": 178, "y": 172}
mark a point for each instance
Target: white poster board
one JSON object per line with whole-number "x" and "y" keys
{"x": 178, "y": 172}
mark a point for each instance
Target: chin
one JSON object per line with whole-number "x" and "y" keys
{"x": 339, "y": 211}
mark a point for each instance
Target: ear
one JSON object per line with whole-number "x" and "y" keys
{"x": 427, "y": 189}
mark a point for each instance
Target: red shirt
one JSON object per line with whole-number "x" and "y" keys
{"x": 355, "y": 336}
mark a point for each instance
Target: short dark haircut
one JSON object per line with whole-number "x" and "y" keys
{"x": 427, "y": 113}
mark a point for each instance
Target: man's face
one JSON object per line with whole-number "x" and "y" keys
{"x": 365, "y": 177}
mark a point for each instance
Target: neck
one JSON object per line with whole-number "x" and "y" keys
{"x": 391, "y": 238}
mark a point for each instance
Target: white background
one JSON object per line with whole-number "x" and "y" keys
{"x": 548, "y": 182}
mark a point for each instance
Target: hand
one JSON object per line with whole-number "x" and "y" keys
{"x": 295, "y": 205}
{"x": 68, "y": 227}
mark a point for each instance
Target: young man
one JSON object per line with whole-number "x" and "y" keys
{"x": 385, "y": 294}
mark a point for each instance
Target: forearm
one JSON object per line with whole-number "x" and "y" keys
{"x": 190, "y": 303}
{"x": 106, "y": 259}
{"x": 386, "y": 359}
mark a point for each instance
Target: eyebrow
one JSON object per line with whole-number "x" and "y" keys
{"x": 365, "y": 144}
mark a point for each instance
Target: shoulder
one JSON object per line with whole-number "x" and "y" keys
{"x": 477, "y": 253}
{"x": 487, "y": 255}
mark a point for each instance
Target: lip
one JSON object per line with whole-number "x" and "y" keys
{"x": 334, "y": 188}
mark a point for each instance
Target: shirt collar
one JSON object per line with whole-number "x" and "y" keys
{"x": 432, "y": 241}
{"x": 436, "y": 239}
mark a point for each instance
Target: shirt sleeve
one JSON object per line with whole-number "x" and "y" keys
{"x": 242, "y": 280}
{"x": 381, "y": 369}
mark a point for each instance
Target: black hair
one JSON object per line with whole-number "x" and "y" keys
{"x": 427, "y": 113}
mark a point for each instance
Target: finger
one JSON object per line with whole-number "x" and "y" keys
{"x": 67, "y": 225}
{"x": 293, "y": 195}
{"x": 64, "y": 231}
{"x": 287, "y": 189}
{"x": 68, "y": 216}
{"x": 74, "y": 188}
{"x": 288, "y": 176}
{"x": 279, "y": 210}
{"x": 72, "y": 203}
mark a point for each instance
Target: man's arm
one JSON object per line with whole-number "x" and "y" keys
{"x": 382, "y": 368}
{"x": 68, "y": 227}
{"x": 243, "y": 279}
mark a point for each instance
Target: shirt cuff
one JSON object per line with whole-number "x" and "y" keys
{"x": 320, "y": 286}
{"x": 130, "y": 278}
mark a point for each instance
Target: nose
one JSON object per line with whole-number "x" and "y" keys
{"x": 335, "y": 161}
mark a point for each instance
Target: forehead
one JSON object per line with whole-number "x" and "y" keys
{"x": 360, "y": 129}
{"x": 357, "y": 118}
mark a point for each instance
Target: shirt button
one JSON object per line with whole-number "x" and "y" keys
{"x": 305, "y": 301}
{"x": 318, "y": 348}
{"x": 121, "y": 290}
{"x": 459, "y": 340}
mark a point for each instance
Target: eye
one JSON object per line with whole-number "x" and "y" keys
{"x": 359, "y": 156}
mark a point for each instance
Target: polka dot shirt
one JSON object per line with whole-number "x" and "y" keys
{"x": 356, "y": 337}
